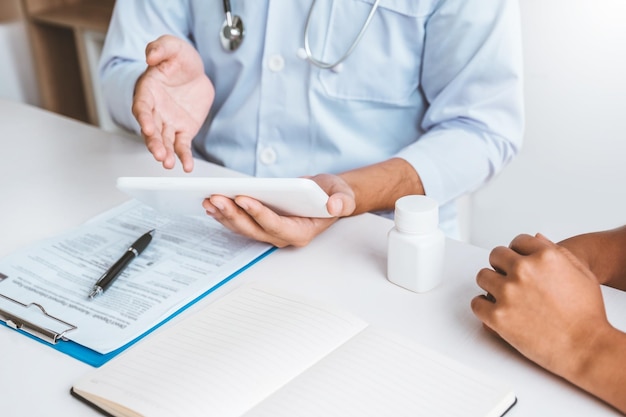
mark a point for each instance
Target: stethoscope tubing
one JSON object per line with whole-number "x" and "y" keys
{"x": 326, "y": 65}
{"x": 235, "y": 35}
{"x": 228, "y": 12}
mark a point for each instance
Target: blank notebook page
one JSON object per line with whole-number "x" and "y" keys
{"x": 378, "y": 374}
{"x": 224, "y": 359}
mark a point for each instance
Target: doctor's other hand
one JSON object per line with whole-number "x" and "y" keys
{"x": 545, "y": 303}
{"x": 172, "y": 99}
{"x": 250, "y": 218}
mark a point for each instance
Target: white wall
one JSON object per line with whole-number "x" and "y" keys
{"x": 570, "y": 176}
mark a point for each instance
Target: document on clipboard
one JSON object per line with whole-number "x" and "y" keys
{"x": 44, "y": 287}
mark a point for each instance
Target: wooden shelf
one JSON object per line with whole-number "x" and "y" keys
{"x": 9, "y": 10}
{"x": 90, "y": 16}
{"x": 57, "y": 29}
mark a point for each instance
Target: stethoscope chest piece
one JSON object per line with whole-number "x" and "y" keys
{"x": 232, "y": 31}
{"x": 231, "y": 36}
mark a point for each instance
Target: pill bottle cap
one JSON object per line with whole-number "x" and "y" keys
{"x": 417, "y": 214}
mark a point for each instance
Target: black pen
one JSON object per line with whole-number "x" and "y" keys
{"x": 114, "y": 271}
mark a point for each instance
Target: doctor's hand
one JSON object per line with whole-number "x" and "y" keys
{"x": 545, "y": 303}
{"x": 172, "y": 99}
{"x": 250, "y": 218}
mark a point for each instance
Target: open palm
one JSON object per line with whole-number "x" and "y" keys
{"x": 172, "y": 99}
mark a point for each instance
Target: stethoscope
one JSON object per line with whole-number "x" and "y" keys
{"x": 232, "y": 34}
{"x": 232, "y": 31}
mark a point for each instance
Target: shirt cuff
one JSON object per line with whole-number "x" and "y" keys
{"x": 119, "y": 84}
{"x": 450, "y": 163}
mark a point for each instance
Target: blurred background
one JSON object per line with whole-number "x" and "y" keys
{"x": 568, "y": 178}
{"x": 571, "y": 173}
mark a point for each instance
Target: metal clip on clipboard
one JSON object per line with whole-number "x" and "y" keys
{"x": 42, "y": 331}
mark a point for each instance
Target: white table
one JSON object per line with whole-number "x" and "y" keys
{"x": 56, "y": 173}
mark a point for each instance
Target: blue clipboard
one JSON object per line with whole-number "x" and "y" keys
{"x": 87, "y": 355}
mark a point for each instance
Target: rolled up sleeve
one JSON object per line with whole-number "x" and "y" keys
{"x": 472, "y": 80}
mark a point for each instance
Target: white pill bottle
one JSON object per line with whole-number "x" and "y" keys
{"x": 416, "y": 245}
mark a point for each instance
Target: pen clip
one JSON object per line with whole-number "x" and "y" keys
{"x": 46, "y": 333}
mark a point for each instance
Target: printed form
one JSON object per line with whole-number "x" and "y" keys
{"x": 187, "y": 257}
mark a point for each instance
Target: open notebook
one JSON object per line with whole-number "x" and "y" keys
{"x": 260, "y": 352}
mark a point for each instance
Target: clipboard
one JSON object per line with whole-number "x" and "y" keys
{"x": 32, "y": 326}
{"x": 34, "y": 322}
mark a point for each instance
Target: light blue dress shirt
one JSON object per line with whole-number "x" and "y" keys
{"x": 436, "y": 82}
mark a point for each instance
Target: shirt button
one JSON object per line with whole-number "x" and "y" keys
{"x": 268, "y": 156}
{"x": 276, "y": 63}
{"x": 301, "y": 53}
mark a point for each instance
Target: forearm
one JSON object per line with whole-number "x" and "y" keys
{"x": 377, "y": 187}
{"x": 601, "y": 372}
{"x": 604, "y": 253}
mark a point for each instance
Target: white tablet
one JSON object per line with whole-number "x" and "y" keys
{"x": 184, "y": 195}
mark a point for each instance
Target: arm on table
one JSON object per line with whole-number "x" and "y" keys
{"x": 604, "y": 253}
{"x": 547, "y": 303}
